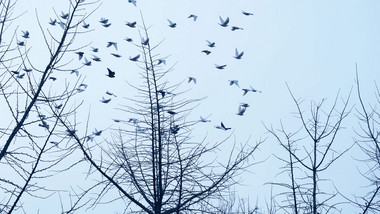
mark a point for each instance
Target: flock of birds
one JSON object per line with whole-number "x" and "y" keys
{"x": 86, "y": 61}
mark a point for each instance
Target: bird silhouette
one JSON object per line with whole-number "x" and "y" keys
{"x": 245, "y": 105}
{"x": 128, "y": 39}
{"x": 111, "y": 74}
{"x": 21, "y": 76}
{"x": 103, "y": 100}
{"x": 116, "y": 55}
{"x": 25, "y": 34}
{"x": 204, "y": 120}
{"x": 52, "y": 22}
{"x": 144, "y": 41}
{"x": 207, "y": 52}
{"x": 56, "y": 106}
{"x": 85, "y": 25}
{"x": 247, "y": 13}
{"x": 192, "y": 79}
{"x": 133, "y": 2}
{"x": 222, "y": 127}
{"x": 114, "y": 44}
{"x": 21, "y": 43}
{"x": 76, "y": 72}
{"x": 172, "y": 24}
{"x": 234, "y": 82}
{"x": 220, "y": 67}
{"x": 193, "y": 16}
{"x": 83, "y": 85}
{"x": 210, "y": 44}
{"x": 254, "y": 90}
{"x": 106, "y": 25}
{"x": 27, "y": 69}
{"x": 96, "y": 59}
{"x": 133, "y": 120}
{"x": 237, "y": 54}
{"x": 163, "y": 61}
{"x": 44, "y": 124}
{"x": 131, "y": 24}
{"x": 71, "y": 133}
{"x": 89, "y": 138}
{"x": 62, "y": 25}
{"x": 110, "y": 93}
{"x": 103, "y": 20}
{"x": 86, "y": 62}
{"x": 171, "y": 112}
{"x": 94, "y": 49}
{"x": 134, "y": 58}
{"x": 224, "y": 23}
{"x": 241, "y": 110}
{"x": 97, "y": 132}
{"x": 245, "y": 91}
{"x": 55, "y": 143}
{"x": 53, "y": 78}
{"x": 80, "y": 54}
{"x": 64, "y": 15}
{"x": 233, "y": 28}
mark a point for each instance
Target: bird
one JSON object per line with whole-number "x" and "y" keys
{"x": 62, "y": 25}
{"x": 80, "y": 54}
{"x": 80, "y": 90}
{"x": 210, "y": 44}
{"x": 114, "y": 44}
{"x": 144, "y": 41}
{"x": 245, "y": 105}
{"x": 64, "y": 15}
{"x": 140, "y": 130}
{"x": 21, "y": 76}
{"x": 25, "y": 34}
{"x": 71, "y": 133}
{"x": 171, "y": 112}
{"x": 52, "y": 22}
{"x": 44, "y": 125}
{"x": 134, "y": 58}
{"x": 55, "y": 143}
{"x": 222, "y": 127}
{"x": 207, "y": 52}
{"x": 111, "y": 74}
{"x": 204, "y": 120}
{"x": 192, "y": 79}
{"x": 133, "y": 2}
{"x": 172, "y": 24}
{"x": 163, "y": 61}
{"x": 86, "y": 62}
{"x": 233, "y": 28}
{"x": 95, "y": 58}
{"x": 106, "y": 24}
{"x": 174, "y": 129}
{"x": 131, "y": 24}
{"x": 224, "y": 23}
{"x": 27, "y": 69}
{"x": 237, "y": 54}
{"x": 234, "y": 82}
{"x": 15, "y": 72}
{"x": 85, "y": 25}
{"x": 220, "y": 67}
{"x": 97, "y": 132}
{"x": 247, "y": 13}
{"x": 21, "y": 43}
{"x": 89, "y": 138}
{"x": 193, "y": 16}
{"x": 128, "y": 39}
{"x": 241, "y": 110}
{"x": 116, "y": 55}
{"x": 56, "y": 106}
{"x": 254, "y": 90}
{"x": 103, "y": 20}
{"x": 53, "y": 78}
{"x": 133, "y": 120}
{"x": 93, "y": 49}
{"x": 83, "y": 85}
{"x": 103, "y": 100}
{"x": 76, "y": 72}
{"x": 110, "y": 93}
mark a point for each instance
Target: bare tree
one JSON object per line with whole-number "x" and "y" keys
{"x": 151, "y": 160}
{"x": 307, "y": 161}
{"x": 369, "y": 143}
{"x": 33, "y": 97}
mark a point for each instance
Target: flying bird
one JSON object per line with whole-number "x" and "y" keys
{"x": 161, "y": 61}
{"x": 44, "y": 125}
{"x": 241, "y": 110}
{"x": 233, "y": 28}
{"x": 21, "y": 43}
{"x": 193, "y": 16}
{"x": 80, "y": 54}
{"x": 210, "y": 44}
{"x": 204, "y": 120}
{"x": 27, "y": 69}
{"x": 172, "y": 24}
{"x": 62, "y": 25}
{"x": 134, "y": 58}
{"x": 86, "y": 62}
{"x": 53, "y": 78}
{"x": 234, "y": 82}
{"x": 21, "y": 76}
{"x": 52, "y": 22}
{"x": 64, "y": 15}
{"x": 76, "y": 72}
{"x": 171, "y": 112}
{"x": 254, "y": 90}
{"x": 103, "y": 100}
{"x": 103, "y": 20}
{"x": 106, "y": 24}
{"x": 85, "y": 25}
{"x": 56, "y": 106}
{"x": 144, "y": 41}
{"x": 128, "y": 39}
{"x": 237, "y": 54}
{"x": 245, "y": 105}
{"x": 95, "y": 58}
{"x": 207, "y": 52}
{"x": 133, "y": 120}
{"x": 25, "y": 34}
{"x": 110, "y": 93}
{"x": 224, "y": 23}
{"x": 97, "y": 132}
{"x": 109, "y": 44}
{"x": 94, "y": 49}
{"x": 111, "y": 74}
{"x": 131, "y": 24}
{"x": 247, "y": 13}
{"x": 133, "y": 2}
{"x": 220, "y": 67}
{"x": 222, "y": 127}
{"x": 192, "y": 79}
{"x": 83, "y": 85}
{"x": 116, "y": 55}
{"x": 55, "y": 143}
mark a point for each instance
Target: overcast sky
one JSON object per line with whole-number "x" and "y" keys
{"x": 311, "y": 45}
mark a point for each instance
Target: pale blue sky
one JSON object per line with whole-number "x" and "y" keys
{"x": 311, "y": 45}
